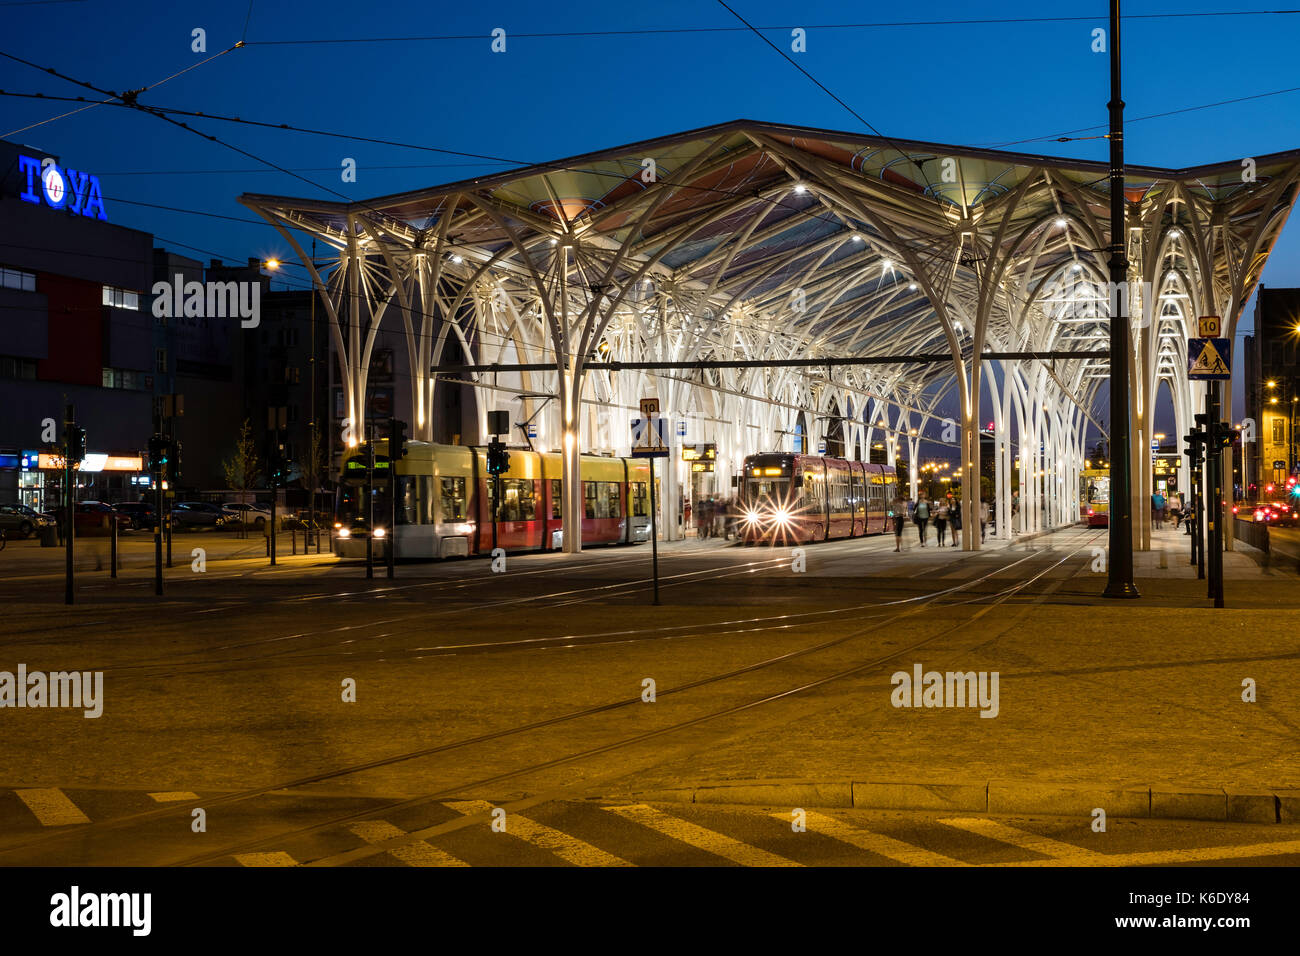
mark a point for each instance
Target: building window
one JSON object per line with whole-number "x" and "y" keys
{"x": 17, "y": 279}
{"x": 123, "y": 378}
{"x": 121, "y": 298}
{"x": 20, "y": 368}
{"x": 1279, "y": 431}
{"x": 160, "y": 361}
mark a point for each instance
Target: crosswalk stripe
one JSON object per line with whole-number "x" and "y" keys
{"x": 876, "y": 843}
{"x": 1167, "y": 857}
{"x": 1023, "y": 839}
{"x": 278, "y": 858}
{"x": 566, "y": 847}
{"x": 700, "y": 837}
{"x": 52, "y": 807}
{"x": 173, "y": 796}
{"x": 422, "y": 853}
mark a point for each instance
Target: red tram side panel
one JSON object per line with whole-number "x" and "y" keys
{"x": 446, "y": 503}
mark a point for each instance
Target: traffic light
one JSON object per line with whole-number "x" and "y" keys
{"x": 498, "y": 459}
{"x": 396, "y": 439}
{"x": 76, "y": 443}
{"x": 159, "y": 454}
{"x": 279, "y": 472}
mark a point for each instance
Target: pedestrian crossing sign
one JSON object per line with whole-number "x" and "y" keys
{"x": 1209, "y": 359}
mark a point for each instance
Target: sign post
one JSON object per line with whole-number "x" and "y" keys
{"x": 1209, "y": 359}
{"x": 649, "y": 441}
{"x": 70, "y": 504}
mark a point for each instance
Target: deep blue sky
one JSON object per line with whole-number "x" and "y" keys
{"x": 547, "y": 98}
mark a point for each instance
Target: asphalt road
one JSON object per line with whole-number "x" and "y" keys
{"x": 319, "y": 717}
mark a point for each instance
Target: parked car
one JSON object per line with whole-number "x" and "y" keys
{"x": 195, "y": 514}
{"x": 251, "y": 514}
{"x": 142, "y": 513}
{"x": 94, "y": 517}
{"x": 22, "y": 520}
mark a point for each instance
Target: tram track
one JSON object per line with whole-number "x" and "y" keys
{"x": 168, "y": 667}
{"x": 919, "y": 603}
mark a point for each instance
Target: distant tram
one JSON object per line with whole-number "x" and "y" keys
{"x": 1094, "y": 497}
{"x": 788, "y": 498}
{"x": 445, "y": 500}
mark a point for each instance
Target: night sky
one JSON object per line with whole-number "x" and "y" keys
{"x": 983, "y": 84}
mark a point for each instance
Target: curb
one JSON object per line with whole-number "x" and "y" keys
{"x": 1157, "y": 802}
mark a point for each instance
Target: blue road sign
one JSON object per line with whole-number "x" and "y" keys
{"x": 650, "y": 442}
{"x": 1209, "y": 359}
{"x": 681, "y": 427}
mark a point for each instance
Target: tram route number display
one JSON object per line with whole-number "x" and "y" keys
{"x": 355, "y": 468}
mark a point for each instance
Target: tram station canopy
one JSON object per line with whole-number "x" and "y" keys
{"x": 752, "y": 242}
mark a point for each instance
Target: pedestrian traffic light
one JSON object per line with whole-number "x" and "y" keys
{"x": 498, "y": 459}
{"x": 76, "y": 443}
{"x": 396, "y": 439}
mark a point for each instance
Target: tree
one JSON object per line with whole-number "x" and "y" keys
{"x": 313, "y": 470}
{"x": 241, "y": 467}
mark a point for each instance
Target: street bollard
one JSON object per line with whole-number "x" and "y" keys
{"x": 112, "y": 549}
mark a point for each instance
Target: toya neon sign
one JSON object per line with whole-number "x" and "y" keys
{"x": 61, "y": 188}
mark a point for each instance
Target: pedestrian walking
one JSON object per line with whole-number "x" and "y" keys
{"x": 898, "y": 509}
{"x": 984, "y": 519}
{"x": 941, "y": 519}
{"x": 1158, "y": 509}
{"x": 954, "y": 515}
{"x": 921, "y": 515}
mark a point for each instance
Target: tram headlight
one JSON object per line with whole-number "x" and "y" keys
{"x": 379, "y": 532}
{"x": 344, "y": 532}
{"x": 751, "y": 516}
{"x": 783, "y": 516}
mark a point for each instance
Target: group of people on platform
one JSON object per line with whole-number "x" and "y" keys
{"x": 713, "y": 516}
{"x": 944, "y": 513}
{"x": 1163, "y": 508}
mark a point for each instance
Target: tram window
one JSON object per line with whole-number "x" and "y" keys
{"x": 602, "y": 499}
{"x": 409, "y": 500}
{"x": 519, "y": 499}
{"x": 557, "y": 498}
{"x": 759, "y": 488}
{"x": 640, "y": 501}
{"x": 452, "y": 494}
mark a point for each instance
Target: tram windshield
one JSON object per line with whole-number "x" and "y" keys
{"x": 758, "y": 488}
{"x": 1097, "y": 490}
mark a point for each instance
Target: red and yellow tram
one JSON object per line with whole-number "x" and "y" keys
{"x": 446, "y": 498}
{"x": 788, "y": 498}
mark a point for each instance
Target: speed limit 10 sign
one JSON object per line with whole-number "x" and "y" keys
{"x": 649, "y": 407}
{"x": 1208, "y": 327}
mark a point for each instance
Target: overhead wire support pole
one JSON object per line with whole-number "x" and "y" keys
{"x": 1120, "y": 566}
